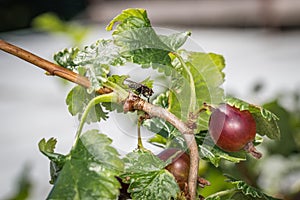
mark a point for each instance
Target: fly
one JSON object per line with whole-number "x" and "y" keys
{"x": 139, "y": 88}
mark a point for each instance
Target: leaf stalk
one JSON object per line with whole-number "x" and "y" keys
{"x": 111, "y": 97}
{"x": 192, "y": 106}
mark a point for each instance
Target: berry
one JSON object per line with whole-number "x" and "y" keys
{"x": 179, "y": 167}
{"x": 232, "y": 129}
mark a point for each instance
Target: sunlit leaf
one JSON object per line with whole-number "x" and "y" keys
{"x": 147, "y": 177}
{"x": 139, "y": 43}
{"x": 129, "y": 18}
{"x": 95, "y": 58}
{"x": 176, "y": 40}
{"x": 90, "y": 170}
{"x": 206, "y": 71}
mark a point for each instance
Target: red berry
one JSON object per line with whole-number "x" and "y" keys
{"x": 179, "y": 167}
{"x": 230, "y": 128}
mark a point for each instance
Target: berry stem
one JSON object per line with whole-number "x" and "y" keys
{"x": 250, "y": 148}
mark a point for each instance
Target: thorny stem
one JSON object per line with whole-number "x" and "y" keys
{"x": 139, "y": 104}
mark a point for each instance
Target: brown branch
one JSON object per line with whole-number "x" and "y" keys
{"x": 49, "y": 67}
{"x": 138, "y": 104}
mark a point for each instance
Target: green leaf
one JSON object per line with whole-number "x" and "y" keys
{"x": 172, "y": 137}
{"x": 159, "y": 126}
{"x": 159, "y": 185}
{"x": 248, "y": 190}
{"x": 90, "y": 170}
{"x": 65, "y": 58}
{"x": 214, "y": 155}
{"x": 102, "y": 52}
{"x": 218, "y": 61}
{"x": 207, "y": 75}
{"x": 142, "y": 162}
{"x": 77, "y": 100}
{"x": 176, "y": 40}
{"x": 266, "y": 121}
{"x": 166, "y": 134}
{"x": 132, "y": 17}
{"x": 143, "y": 46}
{"x": 147, "y": 177}
{"x": 139, "y": 42}
{"x": 95, "y": 58}
{"x": 57, "y": 161}
{"x": 210, "y": 152}
{"x": 47, "y": 148}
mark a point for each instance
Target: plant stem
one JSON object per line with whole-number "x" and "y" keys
{"x": 140, "y": 142}
{"x": 111, "y": 97}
